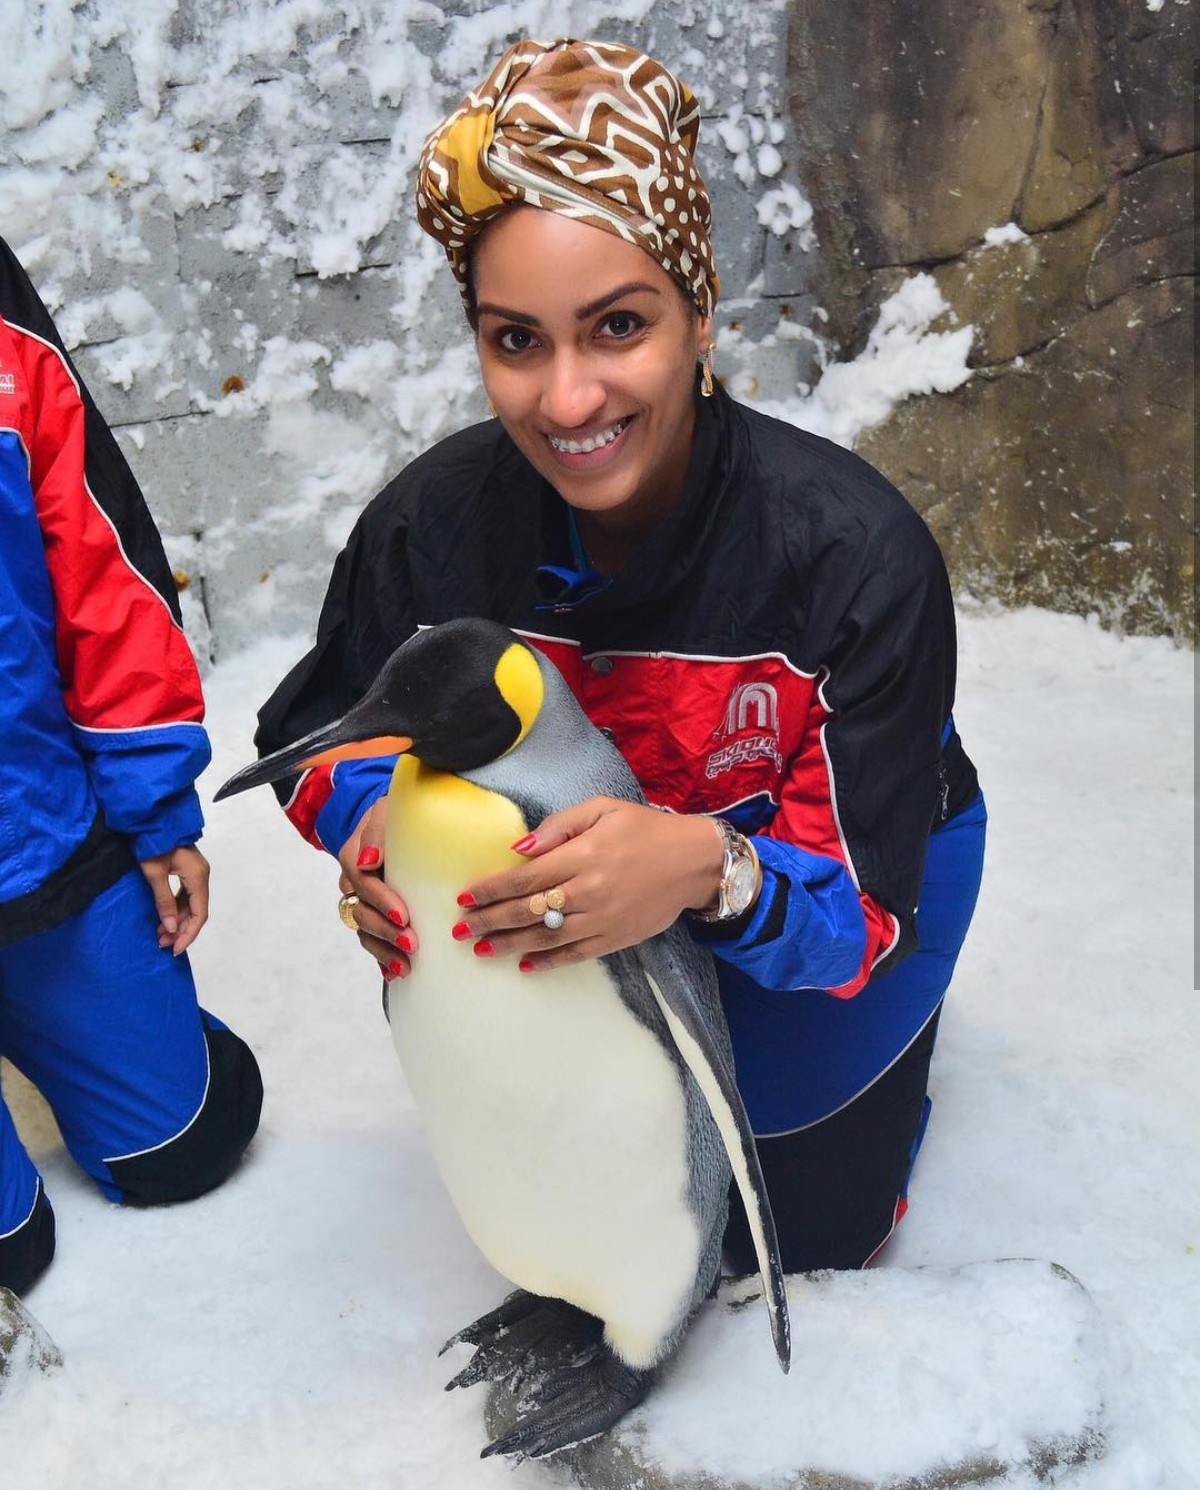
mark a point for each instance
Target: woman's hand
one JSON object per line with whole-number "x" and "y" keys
{"x": 381, "y": 915}
{"x": 182, "y": 912}
{"x": 625, "y": 872}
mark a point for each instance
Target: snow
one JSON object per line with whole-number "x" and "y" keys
{"x": 282, "y": 1332}
{"x": 998, "y": 1356}
{"x": 903, "y": 356}
{"x": 1009, "y": 232}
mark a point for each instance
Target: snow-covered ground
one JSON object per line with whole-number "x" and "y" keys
{"x": 282, "y": 1333}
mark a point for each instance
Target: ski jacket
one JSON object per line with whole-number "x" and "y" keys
{"x": 781, "y": 653}
{"x": 100, "y": 703}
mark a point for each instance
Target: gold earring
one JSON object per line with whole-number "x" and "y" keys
{"x": 491, "y": 408}
{"x": 706, "y": 372}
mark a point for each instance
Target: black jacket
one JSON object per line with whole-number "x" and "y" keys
{"x": 781, "y": 652}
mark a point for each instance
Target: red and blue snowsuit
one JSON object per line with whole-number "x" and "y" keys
{"x": 782, "y": 653}
{"x": 101, "y": 724}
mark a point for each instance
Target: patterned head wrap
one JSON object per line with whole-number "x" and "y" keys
{"x": 593, "y": 130}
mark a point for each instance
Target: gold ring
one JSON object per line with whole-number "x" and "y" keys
{"x": 549, "y": 900}
{"x": 346, "y": 911}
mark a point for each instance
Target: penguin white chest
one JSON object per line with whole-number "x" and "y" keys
{"x": 557, "y": 1118}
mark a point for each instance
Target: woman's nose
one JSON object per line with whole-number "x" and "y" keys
{"x": 573, "y": 393}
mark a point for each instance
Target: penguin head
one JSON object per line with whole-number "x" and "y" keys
{"x": 456, "y": 696}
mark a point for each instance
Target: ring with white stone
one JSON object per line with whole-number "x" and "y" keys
{"x": 552, "y": 920}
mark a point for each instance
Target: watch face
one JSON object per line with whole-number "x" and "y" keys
{"x": 741, "y": 886}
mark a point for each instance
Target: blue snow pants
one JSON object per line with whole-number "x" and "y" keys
{"x": 155, "y": 1098}
{"x": 837, "y": 1088}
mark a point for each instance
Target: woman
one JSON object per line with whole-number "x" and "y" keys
{"x": 759, "y": 620}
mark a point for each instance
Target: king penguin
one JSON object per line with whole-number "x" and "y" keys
{"x": 586, "y": 1120}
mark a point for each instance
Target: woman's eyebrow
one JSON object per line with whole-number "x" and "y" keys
{"x": 585, "y": 312}
{"x": 486, "y": 308}
{"x": 595, "y": 306}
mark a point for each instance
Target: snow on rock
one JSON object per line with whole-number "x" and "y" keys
{"x": 973, "y": 1371}
{"x": 24, "y": 1344}
{"x": 903, "y": 356}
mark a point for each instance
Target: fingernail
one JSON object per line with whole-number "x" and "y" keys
{"x": 396, "y": 918}
{"x": 526, "y": 966}
{"x": 369, "y": 858}
{"x": 483, "y": 948}
{"x": 460, "y": 931}
{"x": 398, "y": 969}
{"x": 406, "y": 943}
{"x": 467, "y": 901}
{"x": 523, "y": 845}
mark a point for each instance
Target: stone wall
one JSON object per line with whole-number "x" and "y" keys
{"x": 216, "y": 201}
{"x": 1062, "y": 473}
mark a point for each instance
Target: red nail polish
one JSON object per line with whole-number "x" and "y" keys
{"x": 467, "y": 901}
{"x": 483, "y": 948}
{"x": 396, "y": 918}
{"x": 460, "y": 931}
{"x": 523, "y": 845}
{"x": 526, "y": 965}
{"x": 405, "y": 942}
{"x": 369, "y": 858}
{"x": 398, "y": 969}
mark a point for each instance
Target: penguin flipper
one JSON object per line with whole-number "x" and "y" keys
{"x": 572, "y": 1403}
{"x": 713, "y": 1072}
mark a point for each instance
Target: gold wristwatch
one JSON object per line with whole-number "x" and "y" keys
{"x": 741, "y": 876}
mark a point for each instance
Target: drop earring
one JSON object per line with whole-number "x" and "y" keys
{"x": 706, "y": 372}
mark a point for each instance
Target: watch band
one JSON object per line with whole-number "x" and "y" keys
{"x": 741, "y": 862}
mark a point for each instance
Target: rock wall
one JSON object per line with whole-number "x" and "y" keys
{"x": 215, "y": 198}
{"x": 1038, "y": 159}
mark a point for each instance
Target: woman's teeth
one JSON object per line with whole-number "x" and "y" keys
{"x": 581, "y": 447}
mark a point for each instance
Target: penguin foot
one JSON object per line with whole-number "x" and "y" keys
{"x": 523, "y": 1339}
{"x": 571, "y": 1403}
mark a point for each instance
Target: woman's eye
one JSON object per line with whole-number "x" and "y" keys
{"x": 515, "y": 339}
{"x": 621, "y": 324}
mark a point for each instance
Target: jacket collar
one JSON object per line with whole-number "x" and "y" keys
{"x": 567, "y": 583}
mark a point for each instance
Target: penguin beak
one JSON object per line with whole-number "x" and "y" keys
{"x": 354, "y": 737}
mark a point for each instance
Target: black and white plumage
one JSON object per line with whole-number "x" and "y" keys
{"x": 585, "y": 1120}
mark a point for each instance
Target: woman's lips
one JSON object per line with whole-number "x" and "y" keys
{"x": 603, "y": 440}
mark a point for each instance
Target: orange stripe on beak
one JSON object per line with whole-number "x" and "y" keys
{"x": 357, "y": 750}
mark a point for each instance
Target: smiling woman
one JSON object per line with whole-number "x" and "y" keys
{"x": 755, "y": 616}
{"x": 590, "y": 370}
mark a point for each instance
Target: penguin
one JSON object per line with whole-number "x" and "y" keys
{"x": 585, "y": 1121}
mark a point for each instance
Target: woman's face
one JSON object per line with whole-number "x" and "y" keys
{"x": 588, "y": 353}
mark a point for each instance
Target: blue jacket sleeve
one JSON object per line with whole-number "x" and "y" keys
{"x": 807, "y": 929}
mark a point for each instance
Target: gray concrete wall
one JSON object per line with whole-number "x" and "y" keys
{"x": 216, "y": 204}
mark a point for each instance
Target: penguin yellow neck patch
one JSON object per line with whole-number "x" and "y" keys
{"x": 519, "y": 681}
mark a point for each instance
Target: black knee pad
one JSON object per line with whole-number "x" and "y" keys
{"x": 206, "y": 1152}
{"x": 25, "y": 1253}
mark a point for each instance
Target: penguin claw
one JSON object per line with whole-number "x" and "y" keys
{"x": 494, "y": 1325}
{"x": 524, "y": 1338}
{"x": 574, "y": 1403}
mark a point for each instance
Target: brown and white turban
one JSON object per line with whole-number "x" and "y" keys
{"x": 593, "y": 130}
